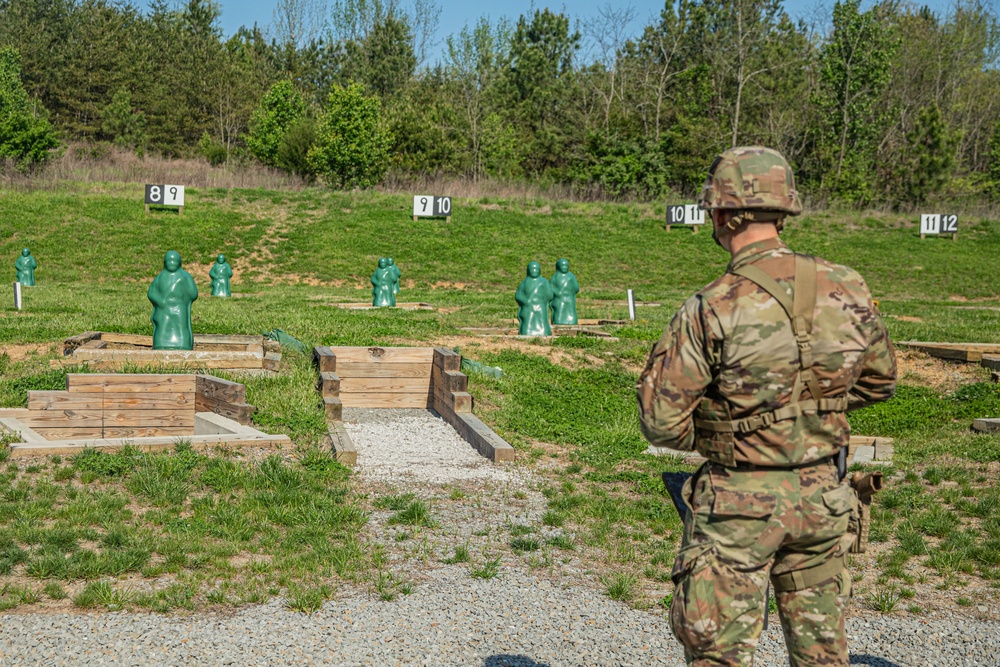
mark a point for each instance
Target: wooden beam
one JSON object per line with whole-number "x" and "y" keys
{"x": 64, "y": 418}
{"x": 64, "y": 400}
{"x": 127, "y": 382}
{"x": 180, "y": 401}
{"x": 388, "y": 385}
{"x": 451, "y": 381}
{"x": 333, "y": 407}
{"x": 446, "y": 359}
{"x": 197, "y": 442}
{"x": 383, "y": 355}
{"x": 482, "y": 438}
{"x": 209, "y": 386}
{"x": 325, "y": 359}
{"x": 346, "y": 369}
{"x": 339, "y": 441}
{"x": 240, "y": 412}
{"x": 127, "y": 339}
{"x": 329, "y": 384}
{"x": 71, "y": 432}
{"x": 458, "y": 401}
{"x": 149, "y": 418}
{"x": 379, "y": 400}
{"x": 955, "y": 351}
{"x": 146, "y": 431}
{"x": 26, "y": 433}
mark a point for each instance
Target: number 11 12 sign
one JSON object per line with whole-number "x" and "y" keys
{"x": 427, "y": 206}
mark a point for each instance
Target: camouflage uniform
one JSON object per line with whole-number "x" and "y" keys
{"x": 736, "y": 380}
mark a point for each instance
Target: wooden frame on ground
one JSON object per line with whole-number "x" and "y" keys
{"x": 400, "y": 377}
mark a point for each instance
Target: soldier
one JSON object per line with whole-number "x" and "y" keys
{"x": 756, "y": 372}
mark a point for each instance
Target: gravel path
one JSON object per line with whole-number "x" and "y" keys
{"x": 518, "y": 619}
{"x": 514, "y": 620}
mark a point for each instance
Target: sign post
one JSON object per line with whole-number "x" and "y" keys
{"x": 165, "y": 195}
{"x": 428, "y": 206}
{"x": 939, "y": 223}
{"x": 631, "y": 305}
{"x": 685, "y": 214}
{"x": 17, "y": 295}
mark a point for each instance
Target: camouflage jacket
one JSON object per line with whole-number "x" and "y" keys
{"x": 730, "y": 353}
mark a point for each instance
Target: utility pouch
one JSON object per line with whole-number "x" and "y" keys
{"x": 866, "y": 486}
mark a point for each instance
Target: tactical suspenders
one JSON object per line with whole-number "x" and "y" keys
{"x": 799, "y": 309}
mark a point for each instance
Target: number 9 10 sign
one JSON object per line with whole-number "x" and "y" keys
{"x": 427, "y": 206}
{"x": 165, "y": 195}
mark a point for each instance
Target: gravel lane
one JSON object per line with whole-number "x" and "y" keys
{"x": 518, "y": 619}
{"x": 514, "y": 620}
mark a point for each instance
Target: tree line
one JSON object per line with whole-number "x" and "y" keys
{"x": 887, "y": 104}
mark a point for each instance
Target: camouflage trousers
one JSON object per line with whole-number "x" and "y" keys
{"x": 747, "y": 527}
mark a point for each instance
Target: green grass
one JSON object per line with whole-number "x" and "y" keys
{"x": 298, "y": 522}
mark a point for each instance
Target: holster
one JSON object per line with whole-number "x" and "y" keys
{"x": 865, "y": 486}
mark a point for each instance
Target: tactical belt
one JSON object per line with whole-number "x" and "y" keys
{"x": 799, "y": 309}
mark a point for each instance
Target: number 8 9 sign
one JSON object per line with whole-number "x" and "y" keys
{"x": 427, "y": 206}
{"x": 165, "y": 195}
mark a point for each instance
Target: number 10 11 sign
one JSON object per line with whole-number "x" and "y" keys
{"x": 427, "y": 206}
{"x": 165, "y": 195}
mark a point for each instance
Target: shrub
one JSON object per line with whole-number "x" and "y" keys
{"x": 351, "y": 150}
{"x": 26, "y": 136}
{"x": 277, "y": 113}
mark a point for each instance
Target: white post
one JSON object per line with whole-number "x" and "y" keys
{"x": 631, "y": 305}
{"x": 17, "y": 295}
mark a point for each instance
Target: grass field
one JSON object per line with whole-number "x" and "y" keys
{"x": 566, "y": 404}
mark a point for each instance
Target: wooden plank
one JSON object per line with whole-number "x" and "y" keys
{"x": 329, "y": 384}
{"x": 242, "y": 363}
{"x": 63, "y": 433}
{"x": 64, "y": 418}
{"x": 347, "y": 369}
{"x": 228, "y": 339}
{"x": 81, "y": 339}
{"x": 458, "y": 401}
{"x": 165, "y": 443}
{"x": 271, "y": 361}
{"x": 450, "y": 381}
{"x": 956, "y": 351}
{"x": 333, "y": 407}
{"x": 210, "y": 386}
{"x": 64, "y": 400}
{"x": 339, "y": 441}
{"x": 131, "y": 382}
{"x": 127, "y": 339}
{"x": 26, "y": 433}
{"x": 147, "y": 431}
{"x": 446, "y": 359}
{"x": 349, "y": 385}
{"x": 240, "y": 412}
{"x": 185, "y": 358}
{"x": 992, "y": 362}
{"x": 423, "y": 400}
{"x": 325, "y": 359}
{"x": 482, "y": 438}
{"x": 181, "y": 401}
{"x": 174, "y": 418}
{"x": 14, "y": 413}
{"x": 95, "y": 344}
{"x": 384, "y": 355}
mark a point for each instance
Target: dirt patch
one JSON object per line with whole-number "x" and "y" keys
{"x": 571, "y": 359}
{"x": 443, "y": 284}
{"x": 938, "y": 374}
{"x": 491, "y": 207}
{"x": 22, "y": 352}
{"x": 908, "y": 318}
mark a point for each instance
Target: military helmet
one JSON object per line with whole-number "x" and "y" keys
{"x": 751, "y": 178}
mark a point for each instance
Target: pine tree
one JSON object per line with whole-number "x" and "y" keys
{"x": 931, "y": 146}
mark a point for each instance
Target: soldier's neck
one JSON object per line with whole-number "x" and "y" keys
{"x": 752, "y": 232}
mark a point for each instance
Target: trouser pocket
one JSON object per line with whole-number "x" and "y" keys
{"x": 714, "y": 605}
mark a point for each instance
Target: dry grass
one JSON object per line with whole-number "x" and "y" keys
{"x": 101, "y": 163}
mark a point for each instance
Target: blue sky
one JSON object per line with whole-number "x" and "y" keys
{"x": 457, "y": 13}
